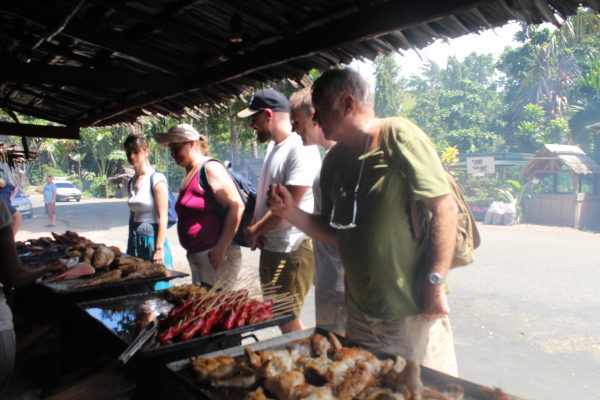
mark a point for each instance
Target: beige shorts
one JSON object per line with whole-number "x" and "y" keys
{"x": 330, "y": 311}
{"x": 429, "y": 342}
{"x": 203, "y": 271}
{"x": 289, "y": 273}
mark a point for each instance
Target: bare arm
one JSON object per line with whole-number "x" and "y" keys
{"x": 314, "y": 225}
{"x": 228, "y": 197}
{"x": 161, "y": 197}
{"x": 442, "y": 242}
{"x": 12, "y": 272}
{"x": 270, "y": 221}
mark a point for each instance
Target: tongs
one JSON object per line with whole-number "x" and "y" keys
{"x": 138, "y": 342}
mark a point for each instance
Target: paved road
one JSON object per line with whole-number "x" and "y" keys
{"x": 525, "y": 314}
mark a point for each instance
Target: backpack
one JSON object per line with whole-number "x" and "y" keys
{"x": 467, "y": 236}
{"x": 247, "y": 192}
{"x": 171, "y": 214}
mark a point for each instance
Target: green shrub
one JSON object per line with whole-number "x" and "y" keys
{"x": 98, "y": 187}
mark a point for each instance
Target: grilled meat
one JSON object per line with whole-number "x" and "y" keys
{"x": 213, "y": 368}
{"x": 283, "y": 386}
{"x": 103, "y": 257}
{"x": 77, "y": 271}
{"x": 320, "y": 345}
{"x": 310, "y": 392}
{"x": 109, "y": 277}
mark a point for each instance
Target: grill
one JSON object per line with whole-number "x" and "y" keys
{"x": 68, "y": 287}
{"x": 119, "y": 316}
{"x": 183, "y": 373}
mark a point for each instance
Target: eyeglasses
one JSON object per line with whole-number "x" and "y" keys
{"x": 352, "y": 224}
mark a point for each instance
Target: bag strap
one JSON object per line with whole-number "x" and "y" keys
{"x": 153, "y": 195}
{"x": 203, "y": 179}
{"x": 418, "y": 230}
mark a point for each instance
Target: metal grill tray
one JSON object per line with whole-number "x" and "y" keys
{"x": 183, "y": 372}
{"x": 118, "y": 315}
{"x": 32, "y": 258}
{"x": 69, "y": 286}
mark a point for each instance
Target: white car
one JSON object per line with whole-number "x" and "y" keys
{"x": 67, "y": 191}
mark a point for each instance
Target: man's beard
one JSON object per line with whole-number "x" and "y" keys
{"x": 262, "y": 136}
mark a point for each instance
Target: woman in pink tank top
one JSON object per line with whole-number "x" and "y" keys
{"x": 203, "y": 232}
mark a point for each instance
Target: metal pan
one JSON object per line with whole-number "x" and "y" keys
{"x": 183, "y": 372}
{"x": 33, "y": 258}
{"x": 70, "y": 286}
{"x": 120, "y": 316}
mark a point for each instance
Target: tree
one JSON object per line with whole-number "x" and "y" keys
{"x": 544, "y": 71}
{"x": 388, "y": 86}
{"x": 458, "y": 106}
{"x": 586, "y": 109}
{"x": 105, "y": 147}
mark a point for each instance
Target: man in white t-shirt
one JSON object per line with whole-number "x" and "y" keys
{"x": 286, "y": 258}
{"x": 329, "y": 272}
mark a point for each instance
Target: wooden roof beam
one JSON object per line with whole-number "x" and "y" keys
{"x": 375, "y": 21}
{"x": 60, "y": 27}
{"x": 94, "y": 79}
{"x": 166, "y": 61}
{"x": 56, "y": 132}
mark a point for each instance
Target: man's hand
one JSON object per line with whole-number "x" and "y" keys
{"x": 216, "y": 255}
{"x": 435, "y": 302}
{"x": 253, "y": 239}
{"x": 280, "y": 201}
{"x": 54, "y": 266}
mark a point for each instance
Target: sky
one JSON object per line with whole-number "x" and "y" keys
{"x": 489, "y": 41}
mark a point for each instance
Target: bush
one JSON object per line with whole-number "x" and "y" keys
{"x": 98, "y": 187}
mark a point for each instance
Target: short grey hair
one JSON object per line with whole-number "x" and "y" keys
{"x": 336, "y": 82}
{"x": 302, "y": 100}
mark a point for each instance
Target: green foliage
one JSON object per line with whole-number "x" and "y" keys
{"x": 458, "y": 106}
{"x": 545, "y": 71}
{"x": 99, "y": 187}
{"x": 388, "y": 86}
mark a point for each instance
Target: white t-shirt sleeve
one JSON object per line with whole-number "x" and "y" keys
{"x": 158, "y": 177}
{"x": 304, "y": 163}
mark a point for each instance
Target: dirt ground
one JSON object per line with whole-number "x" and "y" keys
{"x": 525, "y": 314}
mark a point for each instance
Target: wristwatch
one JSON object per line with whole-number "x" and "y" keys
{"x": 435, "y": 279}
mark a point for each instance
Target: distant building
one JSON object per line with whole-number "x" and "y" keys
{"x": 565, "y": 188}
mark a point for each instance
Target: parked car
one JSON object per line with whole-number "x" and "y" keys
{"x": 22, "y": 204}
{"x": 67, "y": 191}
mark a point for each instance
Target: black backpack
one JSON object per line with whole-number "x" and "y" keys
{"x": 247, "y": 192}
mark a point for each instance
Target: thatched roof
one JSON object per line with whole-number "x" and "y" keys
{"x": 103, "y": 62}
{"x": 12, "y": 154}
{"x": 126, "y": 173}
{"x": 553, "y": 157}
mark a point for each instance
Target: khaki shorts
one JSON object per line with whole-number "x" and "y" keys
{"x": 228, "y": 272}
{"x": 429, "y": 342}
{"x": 291, "y": 273}
{"x": 50, "y": 208}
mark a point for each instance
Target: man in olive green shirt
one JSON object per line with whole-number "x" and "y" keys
{"x": 396, "y": 297}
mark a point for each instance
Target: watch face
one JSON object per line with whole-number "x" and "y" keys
{"x": 435, "y": 278}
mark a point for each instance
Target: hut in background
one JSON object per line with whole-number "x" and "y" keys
{"x": 121, "y": 180}
{"x": 565, "y": 185}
